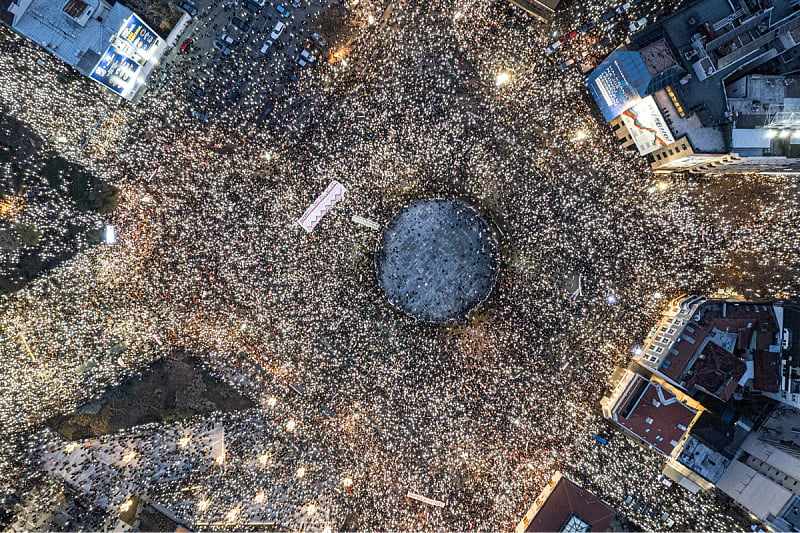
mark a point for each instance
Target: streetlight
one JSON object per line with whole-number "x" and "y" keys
{"x": 579, "y": 136}
{"x": 502, "y": 78}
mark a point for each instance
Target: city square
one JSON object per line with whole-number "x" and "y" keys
{"x": 358, "y": 393}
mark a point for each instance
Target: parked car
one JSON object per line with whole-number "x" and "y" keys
{"x": 295, "y": 3}
{"x": 307, "y": 56}
{"x": 260, "y": 2}
{"x": 552, "y": 48}
{"x": 282, "y": 11}
{"x": 227, "y": 39}
{"x": 251, "y": 7}
{"x": 567, "y": 63}
{"x": 623, "y": 8}
{"x": 185, "y": 46}
{"x": 267, "y": 45}
{"x": 219, "y": 45}
{"x": 586, "y": 27}
{"x": 317, "y": 38}
{"x": 189, "y": 8}
{"x": 198, "y": 90}
{"x": 277, "y": 30}
{"x": 608, "y": 15}
{"x": 637, "y": 24}
{"x": 240, "y": 24}
{"x": 200, "y": 116}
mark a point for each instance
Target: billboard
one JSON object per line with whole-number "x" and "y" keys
{"x": 116, "y": 71}
{"x": 647, "y": 127}
{"x": 618, "y": 82}
{"x": 138, "y": 35}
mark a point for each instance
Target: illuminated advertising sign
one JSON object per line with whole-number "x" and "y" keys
{"x": 138, "y": 35}
{"x": 646, "y": 126}
{"x": 116, "y": 71}
{"x": 618, "y": 82}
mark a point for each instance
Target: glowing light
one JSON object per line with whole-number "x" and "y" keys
{"x": 264, "y": 459}
{"x": 125, "y": 507}
{"x": 232, "y": 515}
{"x": 184, "y": 441}
{"x": 370, "y": 20}
{"x": 657, "y": 295}
{"x": 272, "y": 401}
{"x": 128, "y": 456}
{"x": 69, "y": 448}
{"x": 220, "y": 459}
{"x": 301, "y": 472}
{"x": 327, "y": 529}
{"x": 611, "y": 299}
{"x": 771, "y": 134}
{"x": 662, "y": 186}
{"x": 637, "y": 351}
{"x": 339, "y": 55}
{"x": 291, "y": 425}
{"x": 581, "y": 135}
{"x": 347, "y": 482}
{"x": 502, "y": 78}
{"x": 110, "y": 234}
{"x": 202, "y": 505}
{"x": 260, "y": 497}
{"x": 457, "y": 16}
{"x": 311, "y": 509}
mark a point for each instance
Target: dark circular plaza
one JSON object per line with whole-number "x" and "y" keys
{"x": 437, "y": 260}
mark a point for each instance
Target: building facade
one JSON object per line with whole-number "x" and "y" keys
{"x": 108, "y": 44}
{"x": 689, "y": 91}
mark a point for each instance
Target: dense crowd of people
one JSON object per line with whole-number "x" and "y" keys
{"x": 209, "y": 258}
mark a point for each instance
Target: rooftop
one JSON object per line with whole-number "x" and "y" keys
{"x": 705, "y": 461}
{"x": 654, "y": 414}
{"x": 46, "y": 23}
{"x": 760, "y": 495}
{"x": 566, "y": 506}
{"x": 709, "y": 354}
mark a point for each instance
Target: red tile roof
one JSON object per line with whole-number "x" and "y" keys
{"x": 568, "y": 499}
{"x": 755, "y": 326}
{"x": 654, "y": 414}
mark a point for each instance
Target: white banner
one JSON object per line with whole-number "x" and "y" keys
{"x": 423, "y": 499}
{"x": 322, "y": 205}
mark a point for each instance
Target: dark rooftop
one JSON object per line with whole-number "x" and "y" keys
{"x": 710, "y": 350}
{"x": 568, "y": 505}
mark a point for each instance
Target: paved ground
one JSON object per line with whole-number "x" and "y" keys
{"x": 240, "y": 86}
{"x": 437, "y": 260}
